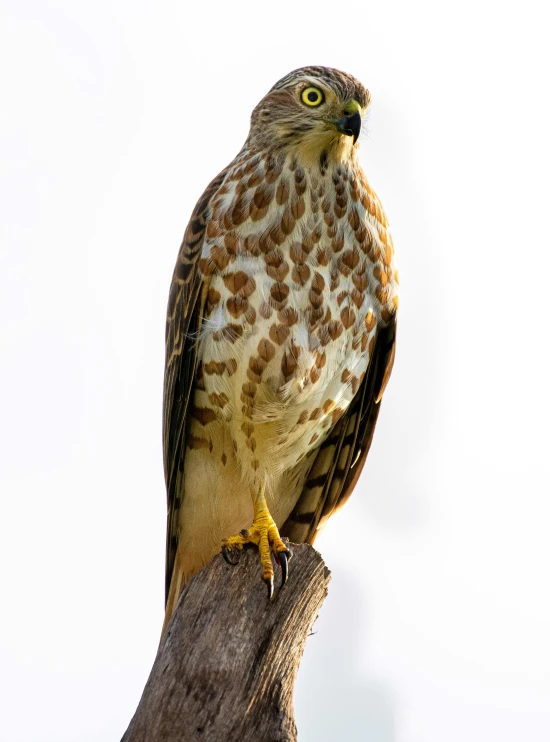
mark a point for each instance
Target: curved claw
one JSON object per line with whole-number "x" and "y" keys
{"x": 283, "y": 561}
{"x": 225, "y": 554}
{"x": 269, "y": 582}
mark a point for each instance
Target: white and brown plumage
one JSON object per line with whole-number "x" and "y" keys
{"x": 280, "y": 330}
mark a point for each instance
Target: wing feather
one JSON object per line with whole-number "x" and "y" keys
{"x": 183, "y": 320}
{"x": 342, "y": 455}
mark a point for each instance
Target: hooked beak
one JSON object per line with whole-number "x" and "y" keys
{"x": 350, "y": 125}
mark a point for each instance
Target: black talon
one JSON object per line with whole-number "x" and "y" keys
{"x": 283, "y": 561}
{"x": 269, "y": 583}
{"x": 225, "y": 554}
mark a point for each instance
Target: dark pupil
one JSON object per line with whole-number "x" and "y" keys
{"x": 313, "y": 97}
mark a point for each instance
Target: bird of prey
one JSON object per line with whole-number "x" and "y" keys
{"x": 280, "y": 333}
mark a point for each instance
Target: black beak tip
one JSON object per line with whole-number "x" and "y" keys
{"x": 350, "y": 126}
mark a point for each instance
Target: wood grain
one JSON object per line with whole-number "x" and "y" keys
{"x": 226, "y": 666}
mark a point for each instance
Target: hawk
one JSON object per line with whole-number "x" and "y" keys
{"x": 280, "y": 333}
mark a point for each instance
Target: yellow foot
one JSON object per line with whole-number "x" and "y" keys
{"x": 264, "y": 534}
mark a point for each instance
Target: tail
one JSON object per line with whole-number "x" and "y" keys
{"x": 177, "y": 581}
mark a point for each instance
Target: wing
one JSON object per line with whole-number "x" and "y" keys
{"x": 342, "y": 455}
{"x": 184, "y": 316}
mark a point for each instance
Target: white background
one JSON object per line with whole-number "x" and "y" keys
{"x": 114, "y": 116}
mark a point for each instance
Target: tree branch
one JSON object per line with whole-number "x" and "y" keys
{"x": 226, "y": 666}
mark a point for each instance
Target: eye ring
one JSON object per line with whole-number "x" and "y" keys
{"x": 312, "y": 96}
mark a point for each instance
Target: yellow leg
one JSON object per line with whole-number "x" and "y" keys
{"x": 264, "y": 534}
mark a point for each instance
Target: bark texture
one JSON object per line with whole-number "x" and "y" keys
{"x": 226, "y": 666}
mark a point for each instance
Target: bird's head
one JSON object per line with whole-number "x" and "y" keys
{"x": 315, "y": 112}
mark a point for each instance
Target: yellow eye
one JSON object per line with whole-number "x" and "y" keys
{"x": 312, "y": 96}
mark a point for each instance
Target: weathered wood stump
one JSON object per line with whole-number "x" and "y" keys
{"x": 226, "y": 666}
